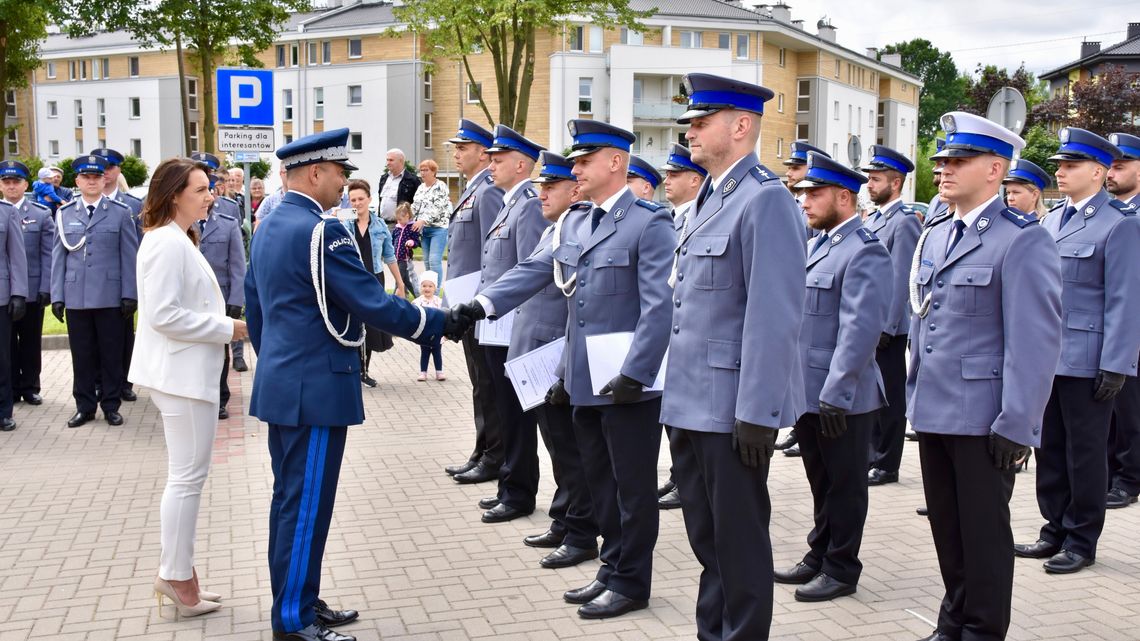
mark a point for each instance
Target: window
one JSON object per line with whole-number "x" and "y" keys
{"x": 576, "y": 43}
{"x": 287, "y": 105}
{"x": 859, "y": 119}
{"x": 837, "y": 68}
{"x": 355, "y": 50}
{"x": 10, "y": 102}
{"x": 72, "y": 70}
{"x": 51, "y": 70}
{"x": 136, "y": 108}
{"x": 427, "y": 131}
{"x": 783, "y": 60}
{"x": 427, "y": 85}
{"x": 585, "y": 95}
{"x": 294, "y": 55}
{"x": 83, "y": 70}
{"x": 356, "y": 141}
{"x": 136, "y": 147}
{"x": 53, "y": 148}
{"x": 802, "y": 131}
{"x": 101, "y": 112}
{"x": 133, "y": 66}
{"x": 355, "y": 95}
{"x": 102, "y": 143}
{"x": 318, "y": 103}
{"x": 850, "y": 119}
{"x": 474, "y": 90}
{"x": 78, "y": 146}
{"x": 96, "y": 69}
{"x": 723, "y": 40}
{"x": 79, "y": 114}
{"x": 834, "y": 150}
{"x": 779, "y": 147}
{"x": 595, "y": 39}
{"x": 106, "y": 68}
{"x": 691, "y": 39}
{"x": 879, "y": 121}
{"x": 192, "y": 94}
{"x": 280, "y": 56}
{"x": 742, "y": 46}
{"x": 13, "y": 143}
{"x": 638, "y": 90}
{"x": 631, "y": 37}
{"x": 326, "y": 52}
{"x": 835, "y": 110}
{"x": 871, "y": 118}
{"x": 193, "y": 135}
{"x": 52, "y": 109}
{"x": 780, "y": 103}
{"x": 803, "y": 96}
{"x": 311, "y": 54}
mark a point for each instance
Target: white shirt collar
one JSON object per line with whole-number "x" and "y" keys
{"x": 612, "y": 200}
{"x": 1080, "y": 204}
{"x": 19, "y": 203}
{"x": 113, "y": 195}
{"x": 831, "y": 232}
{"x": 83, "y": 201}
{"x": 716, "y": 181}
{"x": 684, "y": 208}
{"x": 887, "y": 206}
{"x": 972, "y": 216}
{"x": 512, "y": 191}
{"x": 313, "y": 200}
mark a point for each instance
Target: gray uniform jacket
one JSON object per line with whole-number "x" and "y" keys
{"x": 101, "y": 272}
{"x": 471, "y": 219}
{"x": 1100, "y": 301}
{"x": 513, "y": 235}
{"x": 622, "y": 284}
{"x": 848, "y": 297}
{"x": 14, "y": 260}
{"x": 222, "y": 245}
{"x": 737, "y": 307}
{"x": 542, "y": 319}
{"x": 983, "y": 357}
{"x": 898, "y": 229}
{"x": 937, "y": 206}
{"x": 38, "y": 227}
{"x": 135, "y": 204}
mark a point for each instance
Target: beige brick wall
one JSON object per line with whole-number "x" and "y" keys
{"x": 777, "y": 126}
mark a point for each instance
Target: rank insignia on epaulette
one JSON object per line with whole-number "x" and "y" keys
{"x": 762, "y": 173}
{"x": 983, "y": 223}
{"x": 530, "y": 193}
{"x": 729, "y": 186}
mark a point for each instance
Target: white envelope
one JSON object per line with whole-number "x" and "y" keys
{"x": 460, "y": 289}
{"x": 606, "y": 353}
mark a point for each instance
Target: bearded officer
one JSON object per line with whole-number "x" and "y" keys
{"x": 642, "y": 178}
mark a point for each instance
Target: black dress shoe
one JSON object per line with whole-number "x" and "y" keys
{"x": 223, "y": 413}
{"x": 452, "y": 470}
{"x": 665, "y": 489}
{"x": 315, "y": 632}
{"x": 565, "y": 556}
{"x": 502, "y": 513}
{"x": 1040, "y": 550}
{"x": 478, "y": 474}
{"x": 488, "y": 502}
{"x": 798, "y": 574}
{"x": 7, "y": 424}
{"x": 936, "y": 636}
{"x": 584, "y": 594}
{"x": 922, "y": 511}
{"x": 368, "y": 380}
{"x": 33, "y": 399}
{"x": 1067, "y": 562}
{"x": 113, "y": 417}
{"x": 610, "y": 604}
{"x": 128, "y": 394}
{"x": 1118, "y": 498}
{"x": 823, "y": 588}
{"x": 547, "y": 539}
{"x": 670, "y": 501}
{"x": 332, "y": 618}
{"x": 792, "y": 450}
{"x": 80, "y": 418}
{"x": 791, "y": 440}
{"x": 912, "y": 435}
{"x": 239, "y": 365}
{"x": 881, "y": 477}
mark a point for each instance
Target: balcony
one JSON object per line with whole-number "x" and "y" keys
{"x": 657, "y": 111}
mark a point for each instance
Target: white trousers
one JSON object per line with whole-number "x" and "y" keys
{"x": 190, "y": 425}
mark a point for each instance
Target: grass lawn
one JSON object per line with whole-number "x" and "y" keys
{"x": 52, "y": 326}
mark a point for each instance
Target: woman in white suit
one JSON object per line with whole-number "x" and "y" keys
{"x": 182, "y": 331}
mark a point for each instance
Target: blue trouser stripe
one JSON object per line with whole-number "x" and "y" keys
{"x": 303, "y": 533}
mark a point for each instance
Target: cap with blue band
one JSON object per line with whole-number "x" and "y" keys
{"x": 507, "y": 139}
{"x": 555, "y": 167}
{"x": 113, "y": 158}
{"x": 89, "y": 165}
{"x": 799, "y": 152}
{"x": 884, "y": 158}
{"x": 825, "y": 172}
{"x": 591, "y": 135}
{"x": 681, "y": 159}
{"x": 969, "y": 135}
{"x": 1128, "y": 145}
{"x": 640, "y": 169}
{"x": 210, "y": 160}
{"x": 327, "y": 146}
{"x": 709, "y": 94}
{"x": 469, "y": 131}
{"x": 1081, "y": 144}
{"x": 1023, "y": 171}
{"x": 14, "y": 169}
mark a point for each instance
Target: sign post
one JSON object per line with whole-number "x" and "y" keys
{"x": 245, "y": 118}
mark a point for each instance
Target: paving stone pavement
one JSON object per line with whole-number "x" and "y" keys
{"x": 79, "y": 538}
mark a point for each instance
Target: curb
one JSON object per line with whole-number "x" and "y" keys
{"x": 55, "y": 341}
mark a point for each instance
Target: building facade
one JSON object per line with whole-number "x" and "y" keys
{"x": 1094, "y": 59}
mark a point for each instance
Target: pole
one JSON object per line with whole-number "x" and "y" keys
{"x": 185, "y": 111}
{"x": 248, "y": 216}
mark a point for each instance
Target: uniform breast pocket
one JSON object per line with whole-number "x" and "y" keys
{"x": 502, "y": 247}
{"x": 822, "y": 298}
{"x": 1080, "y": 347}
{"x": 461, "y": 227}
{"x": 710, "y": 269}
{"x": 724, "y": 360}
{"x": 969, "y": 292}
{"x": 1077, "y": 262}
{"x": 611, "y": 274}
{"x": 344, "y": 362}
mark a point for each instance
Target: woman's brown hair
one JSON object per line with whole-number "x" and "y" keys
{"x": 361, "y": 185}
{"x": 169, "y": 179}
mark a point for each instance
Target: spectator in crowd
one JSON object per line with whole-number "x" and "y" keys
{"x": 235, "y": 187}
{"x": 256, "y": 195}
{"x": 429, "y": 299}
{"x": 432, "y": 211}
{"x": 406, "y": 239}
{"x": 44, "y": 190}
{"x": 272, "y": 200}
{"x": 396, "y": 186}
{"x": 65, "y": 194}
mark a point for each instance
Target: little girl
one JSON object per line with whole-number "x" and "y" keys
{"x": 427, "y": 298}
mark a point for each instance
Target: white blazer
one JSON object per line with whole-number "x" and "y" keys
{"x": 182, "y": 328}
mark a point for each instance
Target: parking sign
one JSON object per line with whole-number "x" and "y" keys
{"x": 245, "y": 97}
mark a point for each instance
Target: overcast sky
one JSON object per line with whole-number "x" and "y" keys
{"x": 1043, "y": 34}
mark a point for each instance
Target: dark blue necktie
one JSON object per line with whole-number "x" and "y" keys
{"x": 820, "y": 241}
{"x": 1070, "y": 211}
{"x": 90, "y": 210}
{"x": 201, "y": 227}
{"x": 956, "y": 235}
{"x": 596, "y": 217}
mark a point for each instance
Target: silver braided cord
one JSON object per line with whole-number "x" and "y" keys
{"x": 63, "y": 238}
{"x": 317, "y": 270}
{"x": 567, "y": 285}
{"x": 677, "y": 249}
{"x": 917, "y": 304}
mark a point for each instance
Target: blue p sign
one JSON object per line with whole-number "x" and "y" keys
{"x": 245, "y": 97}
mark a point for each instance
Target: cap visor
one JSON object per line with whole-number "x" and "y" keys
{"x": 694, "y": 113}
{"x": 347, "y": 165}
{"x": 960, "y": 153}
{"x": 812, "y": 184}
{"x": 549, "y": 179}
{"x": 1074, "y": 157}
{"x": 795, "y": 161}
{"x": 584, "y": 151}
{"x": 456, "y": 141}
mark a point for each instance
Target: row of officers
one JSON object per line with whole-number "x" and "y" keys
{"x": 80, "y": 264}
{"x": 1021, "y": 332}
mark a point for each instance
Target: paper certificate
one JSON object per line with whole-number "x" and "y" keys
{"x": 460, "y": 289}
{"x": 606, "y": 353}
{"x": 532, "y": 374}
{"x": 496, "y": 333}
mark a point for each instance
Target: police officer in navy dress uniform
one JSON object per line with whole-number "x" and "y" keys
{"x": 642, "y": 178}
{"x": 614, "y": 266}
{"x": 1097, "y": 238}
{"x": 476, "y": 209}
{"x": 986, "y": 290}
{"x": 38, "y": 228}
{"x": 897, "y": 228}
{"x": 307, "y": 386}
{"x": 13, "y": 295}
{"x": 93, "y": 283}
{"x": 220, "y": 241}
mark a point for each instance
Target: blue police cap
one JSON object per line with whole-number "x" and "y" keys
{"x": 799, "y": 153}
{"x": 592, "y": 135}
{"x": 681, "y": 159}
{"x": 1081, "y": 144}
{"x": 210, "y": 160}
{"x": 89, "y": 165}
{"x": 884, "y": 158}
{"x": 1023, "y": 171}
{"x": 1128, "y": 145}
{"x": 327, "y": 146}
{"x": 555, "y": 167}
{"x": 470, "y": 131}
{"x": 969, "y": 135}
{"x": 709, "y": 94}
{"x": 113, "y": 158}
{"x": 638, "y": 168}
{"x": 507, "y": 139}
{"x": 939, "y": 143}
{"x": 14, "y": 169}
{"x": 825, "y": 172}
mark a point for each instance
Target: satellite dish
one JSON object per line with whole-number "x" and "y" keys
{"x": 1007, "y": 108}
{"x": 854, "y": 150}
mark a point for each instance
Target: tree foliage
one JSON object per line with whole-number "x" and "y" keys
{"x": 134, "y": 171}
{"x": 987, "y": 80}
{"x": 68, "y": 179}
{"x": 1107, "y": 103}
{"x": 942, "y": 88}
{"x": 23, "y": 25}
{"x": 507, "y": 31}
{"x": 1040, "y": 144}
{"x": 924, "y": 188}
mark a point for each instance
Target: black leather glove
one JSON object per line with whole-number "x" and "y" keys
{"x": 43, "y": 299}
{"x": 472, "y": 309}
{"x": 755, "y": 443}
{"x": 233, "y": 311}
{"x": 624, "y": 388}
{"x": 1006, "y": 453}
{"x": 456, "y": 324}
{"x": 57, "y": 311}
{"x": 1108, "y": 385}
{"x": 128, "y": 307}
{"x": 17, "y": 307}
{"x": 557, "y": 394}
{"x": 832, "y": 420}
{"x": 884, "y": 340}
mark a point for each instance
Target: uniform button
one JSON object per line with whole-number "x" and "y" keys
{"x": 929, "y": 349}
{"x": 940, "y": 283}
{"x": 738, "y": 362}
{"x": 677, "y": 303}
{"x": 708, "y": 248}
{"x": 994, "y": 372}
{"x": 1036, "y": 430}
{"x": 932, "y": 327}
{"x": 582, "y": 283}
{"x": 937, "y": 305}
{"x": 581, "y": 303}
{"x": 1076, "y": 252}
{"x": 684, "y": 251}
{"x": 586, "y": 263}
{"x": 680, "y": 276}
{"x": 676, "y": 329}
{"x": 609, "y": 260}
{"x": 816, "y": 281}
{"x": 1091, "y": 326}
{"x": 775, "y": 412}
{"x": 581, "y": 323}
{"x": 969, "y": 279}
{"x": 847, "y": 397}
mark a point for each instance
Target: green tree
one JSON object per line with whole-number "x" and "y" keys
{"x": 134, "y": 170}
{"x": 259, "y": 169}
{"x": 1107, "y": 103}
{"x": 507, "y": 30}
{"x": 1040, "y": 143}
{"x": 34, "y": 166}
{"x": 68, "y": 173}
{"x": 987, "y": 80}
{"x": 23, "y": 25}
{"x": 942, "y": 87}
{"x": 924, "y": 188}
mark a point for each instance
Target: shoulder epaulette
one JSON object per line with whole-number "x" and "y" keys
{"x": 582, "y": 205}
{"x": 38, "y": 206}
{"x": 229, "y": 199}
{"x": 530, "y": 193}
{"x": 130, "y": 196}
{"x": 907, "y": 210}
{"x": 762, "y": 174}
{"x": 116, "y": 203}
{"x": 1128, "y": 209}
{"x": 867, "y": 235}
{"x": 1059, "y": 204}
{"x": 227, "y": 217}
{"x": 940, "y": 218}
{"x": 487, "y": 179}
{"x": 650, "y": 205}
{"x": 1019, "y": 218}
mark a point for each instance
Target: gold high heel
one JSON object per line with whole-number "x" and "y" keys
{"x": 162, "y": 588}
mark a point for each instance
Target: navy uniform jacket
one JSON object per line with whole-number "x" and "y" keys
{"x": 737, "y": 307}
{"x": 135, "y": 204}
{"x": 39, "y": 236}
{"x": 1100, "y": 302}
{"x": 14, "y": 261}
{"x": 471, "y": 219}
{"x": 898, "y": 229}
{"x": 983, "y": 357}
{"x": 513, "y": 234}
{"x": 542, "y": 319}
{"x": 849, "y": 292}
{"x": 100, "y": 273}
{"x": 622, "y": 283}
{"x": 304, "y": 376}
{"x": 222, "y": 245}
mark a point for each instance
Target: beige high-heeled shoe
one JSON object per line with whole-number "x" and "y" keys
{"x": 203, "y": 594}
{"x": 162, "y": 588}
